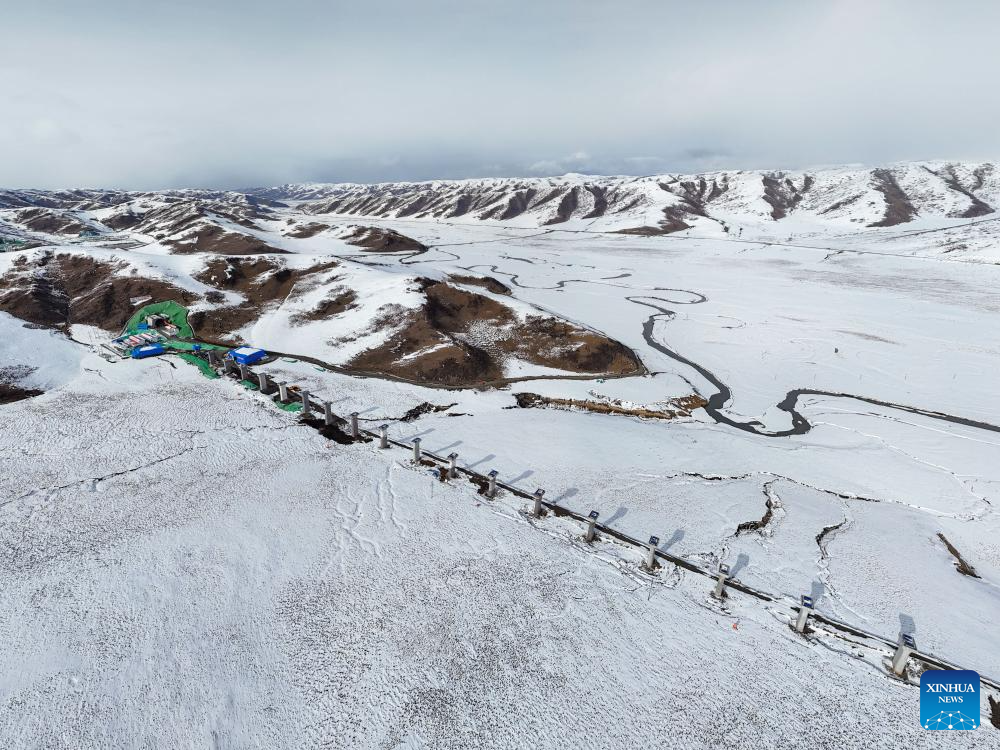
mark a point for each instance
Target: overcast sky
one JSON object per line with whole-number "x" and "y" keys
{"x": 238, "y": 93}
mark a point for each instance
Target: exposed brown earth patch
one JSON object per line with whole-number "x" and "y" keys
{"x": 567, "y": 205}
{"x": 56, "y": 291}
{"x": 381, "y": 240}
{"x": 517, "y": 204}
{"x": 976, "y": 207}
{"x": 329, "y": 307}
{"x": 673, "y": 221}
{"x": 423, "y": 353}
{"x": 123, "y": 220}
{"x": 219, "y": 325}
{"x": 769, "y": 504}
{"x": 680, "y": 407}
{"x": 842, "y": 204}
{"x": 488, "y": 283}
{"x": 462, "y": 338}
{"x": 180, "y": 214}
{"x": 600, "y": 196}
{"x": 49, "y": 221}
{"x": 561, "y": 345}
{"x": 214, "y": 239}
{"x": 264, "y": 282}
{"x": 425, "y": 408}
{"x": 305, "y": 231}
{"x": 694, "y": 196}
{"x": 960, "y": 564}
{"x": 821, "y": 536}
{"x": 782, "y": 195}
{"x": 898, "y": 209}
{"x": 9, "y": 393}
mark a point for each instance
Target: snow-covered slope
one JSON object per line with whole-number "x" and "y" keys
{"x": 835, "y": 197}
{"x": 204, "y": 570}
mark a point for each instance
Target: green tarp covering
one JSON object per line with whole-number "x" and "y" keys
{"x": 178, "y": 315}
{"x": 201, "y": 364}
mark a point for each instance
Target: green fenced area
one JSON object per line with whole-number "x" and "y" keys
{"x": 177, "y": 314}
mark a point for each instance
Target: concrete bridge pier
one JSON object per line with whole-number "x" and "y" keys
{"x": 720, "y": 581}
{"x": 906, "y": 646}
{"x": 536, "y": 511}
{"x": 654, "y": 542}
{"x": 805, "y": 609}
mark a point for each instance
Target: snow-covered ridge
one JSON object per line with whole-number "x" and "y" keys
{"x": 842, "y": 196}
{"x": 834, "y": 198}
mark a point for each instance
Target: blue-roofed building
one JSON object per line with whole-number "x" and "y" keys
{"x": 149, "y": 350}
{"x": 247, "y": 355}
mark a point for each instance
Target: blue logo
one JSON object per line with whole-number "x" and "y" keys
{"x": 949, "y": 699}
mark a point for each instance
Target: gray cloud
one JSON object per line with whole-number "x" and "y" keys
{"x": 242, "y": 92}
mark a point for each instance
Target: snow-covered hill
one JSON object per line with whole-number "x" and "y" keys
{"x": 845, "y": 198}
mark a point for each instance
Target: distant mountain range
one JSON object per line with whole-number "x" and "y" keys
{"x": 841, "y": 198}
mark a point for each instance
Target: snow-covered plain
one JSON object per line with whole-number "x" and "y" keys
{"x": 189, "y": 566}
{"x": 231, "y": 579}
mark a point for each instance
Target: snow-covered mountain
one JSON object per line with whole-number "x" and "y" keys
{"x": 839, "y": 197}
{"x": 842, "y": 197}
